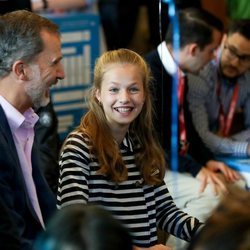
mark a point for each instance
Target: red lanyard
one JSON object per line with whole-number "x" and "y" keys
{"x": 226, "y": 120}
{"x": 182, "y": 127}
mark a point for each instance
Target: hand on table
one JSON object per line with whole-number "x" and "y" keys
{"x": 218, "y": 175}
{"x": 229, "y": 174}
{"x": 207, "y": 177}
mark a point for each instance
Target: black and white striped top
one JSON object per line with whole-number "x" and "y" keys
{"x": 139, "y": 207}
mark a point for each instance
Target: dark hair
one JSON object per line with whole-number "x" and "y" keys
{"x": 241, "y": 26}
{"x": 20, "y": 37}
{"x": 87, "y": 227}
{"x": 196, "y": 26}
{"x": 228, "y": 228}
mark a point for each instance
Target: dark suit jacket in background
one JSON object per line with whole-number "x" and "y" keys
{"x": 162, "y": 94}
{"x": 11, "y": 5}
{"x": 48, "y": 144}
{"x": 14, "y": 193}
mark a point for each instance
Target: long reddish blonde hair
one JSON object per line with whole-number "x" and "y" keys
{"x": 150, "y": 156}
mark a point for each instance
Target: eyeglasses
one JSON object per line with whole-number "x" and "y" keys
{"x": 232, "y": 53}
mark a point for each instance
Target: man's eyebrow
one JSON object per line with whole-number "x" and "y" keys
{"x": 56, "y": 60}
{"x": 237, "y": 51}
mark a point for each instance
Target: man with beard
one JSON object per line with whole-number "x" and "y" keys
{"x": 220, "y": 96}
{"x": 30, "y": 52}
{"x": 47, "y": 125}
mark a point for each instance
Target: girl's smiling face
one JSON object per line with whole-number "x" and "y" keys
{"x": 121, "y": 94}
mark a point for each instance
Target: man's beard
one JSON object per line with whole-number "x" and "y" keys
{"x": 36, "y": 89}
{"x": 37, "y": 95}
{"x": 232, "y": 80}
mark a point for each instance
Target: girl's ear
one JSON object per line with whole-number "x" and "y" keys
{"x": 97, "y": 95}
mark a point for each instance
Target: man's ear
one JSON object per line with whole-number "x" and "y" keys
{"x": 193, "y": 48}
{"x": 19, "y": 70}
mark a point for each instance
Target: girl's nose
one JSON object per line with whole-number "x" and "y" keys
{"x": 124, "y": 96}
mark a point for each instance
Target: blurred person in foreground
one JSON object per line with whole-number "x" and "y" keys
{"x": 228, "y": 228}
{"x": 87, "y": 227}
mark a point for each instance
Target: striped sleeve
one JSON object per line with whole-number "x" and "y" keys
{"x": 173, "y": 220}
{"x": 74, "y": 172}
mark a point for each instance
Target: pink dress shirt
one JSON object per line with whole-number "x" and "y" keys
{"x": 22, "y": 128}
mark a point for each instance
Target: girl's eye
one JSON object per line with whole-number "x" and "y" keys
{"x": 114, "y": 90}
{"x": 134, "y": 90}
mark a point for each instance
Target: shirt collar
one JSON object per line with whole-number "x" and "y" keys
{"x": 127, "y": 143}
{"x": 30, "y": 118}
{"x": 17, "y": 119}
{"x": 166, "y": 58}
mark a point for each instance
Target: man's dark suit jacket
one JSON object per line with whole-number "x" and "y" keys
{"x": 8, "y": 230}
{"x": 162, "y": 94}
{"x": 14, "y": 193}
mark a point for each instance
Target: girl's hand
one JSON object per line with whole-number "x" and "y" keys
{"x": 156, "y": 247}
